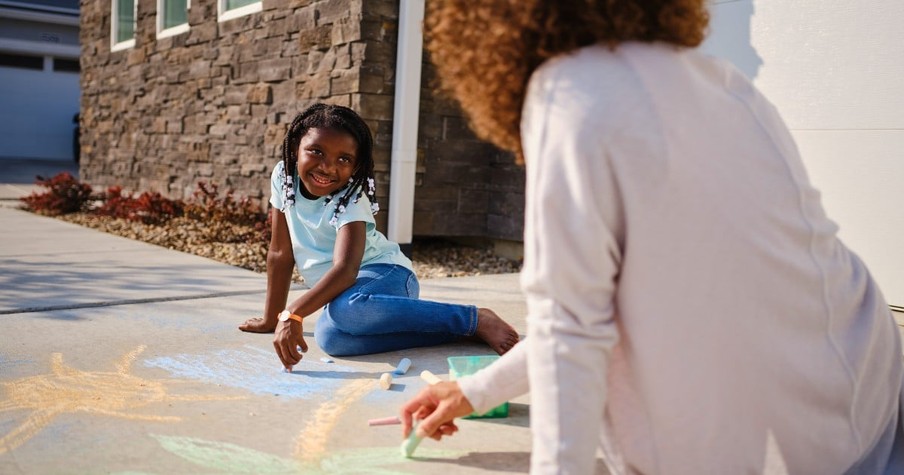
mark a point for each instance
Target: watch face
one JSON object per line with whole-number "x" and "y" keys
{"x": 283, "y": 316}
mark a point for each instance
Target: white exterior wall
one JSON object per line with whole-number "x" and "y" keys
{"x": 834, "y": 69}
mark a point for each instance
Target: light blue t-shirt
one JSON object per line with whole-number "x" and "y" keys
{"x": 313, "y": 237}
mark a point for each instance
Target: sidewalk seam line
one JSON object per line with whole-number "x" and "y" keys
{"x": 128, "y": 302}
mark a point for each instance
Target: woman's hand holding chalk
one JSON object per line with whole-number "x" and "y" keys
{"x": 411, "y": 443}
{"x": 432, "y": 411}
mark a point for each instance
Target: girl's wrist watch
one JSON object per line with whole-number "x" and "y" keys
{"x": 286, "y": 315}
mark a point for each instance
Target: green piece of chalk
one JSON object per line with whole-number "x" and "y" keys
{"x": 411, "y": 443}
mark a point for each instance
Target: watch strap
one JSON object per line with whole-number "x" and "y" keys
{"x": 287, "y": 315}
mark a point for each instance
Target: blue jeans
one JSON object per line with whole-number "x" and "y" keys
{"x": 381, "y": 312}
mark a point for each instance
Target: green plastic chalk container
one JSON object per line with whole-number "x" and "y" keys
{"x": 466, "y": 365}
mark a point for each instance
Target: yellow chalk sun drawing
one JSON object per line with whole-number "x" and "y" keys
{"x": 68, "y": 390}
{"x": 311, "y": 444}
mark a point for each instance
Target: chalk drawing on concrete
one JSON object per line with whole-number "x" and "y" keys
{"x": 257, "y": 371}
{"x": 310, "y": 445}
{"x": 68, "y": 390}
{"x": 231, "y": 458}
{"x": 310, "y": 455}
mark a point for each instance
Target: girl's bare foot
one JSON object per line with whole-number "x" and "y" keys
{"x": 493, "y": 331}
{"x": 257, "y": 325}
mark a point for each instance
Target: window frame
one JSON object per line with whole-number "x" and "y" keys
{"x": 114, "y": 26}
{"x": 163, "y": 32}
{"x": 225, "y": 15}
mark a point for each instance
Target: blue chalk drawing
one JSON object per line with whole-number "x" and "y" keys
{"x": 257, "y": 371}
{"x": 7, "y": 362}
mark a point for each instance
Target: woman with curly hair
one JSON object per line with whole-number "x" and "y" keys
{"x": 690, "y": 307}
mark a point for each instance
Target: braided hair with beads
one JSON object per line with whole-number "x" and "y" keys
{"x": 327, "y": 116}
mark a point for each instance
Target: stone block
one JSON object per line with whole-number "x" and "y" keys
{"x": 199, "y": 69}
{"x": 317, "y": 38}
{"x": 274, "y": 70}
{"x": 345, "y": 31}
{"x": 373, "y": 106}
{"x": 201, "y": 32}
{"x": 302, "y": 19}
{"x": 236, "y": 95}
{"x": 505, "y": 227}
{"x": 174, "y": 126}
{"x": 456, "y": 128}
{"x": 472, "y": 200}
{"x": 283, "y": 94}
{"x": 338, "y": 100}
{"x": 315, "y": 87}
{"x": 379, "y": 31}
{"x": 344, "y": 82}
{"x": 381, "y": 10}
{"x": 219, "y": 130}
{"x": 331, "y": 11}
{"x": 343, "y": 58}
{"x": 252, "y": 169}
{"x": 260, "y": 94}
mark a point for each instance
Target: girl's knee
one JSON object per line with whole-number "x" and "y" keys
{"x": 328, "y": 337}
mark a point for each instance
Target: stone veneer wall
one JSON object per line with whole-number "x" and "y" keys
{"x": 213, "y": 104}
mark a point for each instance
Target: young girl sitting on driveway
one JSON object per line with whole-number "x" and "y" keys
{"x": 323, "y": 199}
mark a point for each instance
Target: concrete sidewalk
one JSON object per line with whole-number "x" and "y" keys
{"x": 123, "y": 357}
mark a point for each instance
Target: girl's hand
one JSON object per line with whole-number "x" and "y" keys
{"x": 289, "y": 336}
{"x": 436, "y": 406}
{"x": 258, "y": 325}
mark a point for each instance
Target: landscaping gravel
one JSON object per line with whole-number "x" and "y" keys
{"x": 242, "y": 246}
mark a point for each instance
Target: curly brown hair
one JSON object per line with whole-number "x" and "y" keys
{"x": 486, "y": 50}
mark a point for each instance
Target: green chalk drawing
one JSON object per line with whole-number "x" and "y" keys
{"x": 232, "y": 458}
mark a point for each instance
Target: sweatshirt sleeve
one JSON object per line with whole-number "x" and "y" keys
{"x": 572, "y": 257}
{"x": 502, "y": 381}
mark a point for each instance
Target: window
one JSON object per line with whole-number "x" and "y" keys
{"x": 172, "y": 17}
{"x": 229, "y": 9}
{"x": 23, "y": 62}
{"x": 123, "y": 25}
{"x": 66, "y": 65}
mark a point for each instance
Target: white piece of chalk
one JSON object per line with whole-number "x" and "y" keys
{"x": 411, "y": 443}
{"x": 430, "y": 377}
{"x": 386, "y": 380}
{"x": 403, "y": 366}
{"x": 326, "y": 360}
{"x": 385, "y": 421}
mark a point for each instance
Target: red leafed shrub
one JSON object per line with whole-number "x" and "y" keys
{"x": 207, "y": 204}
{"x": 264, "y": 230}
{"x": 64, "y": 195}
{"x": 225, "y": 219}
{"x": 149, "y": 208}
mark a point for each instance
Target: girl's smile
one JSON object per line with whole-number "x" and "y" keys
{"x": 327, "y": 159}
